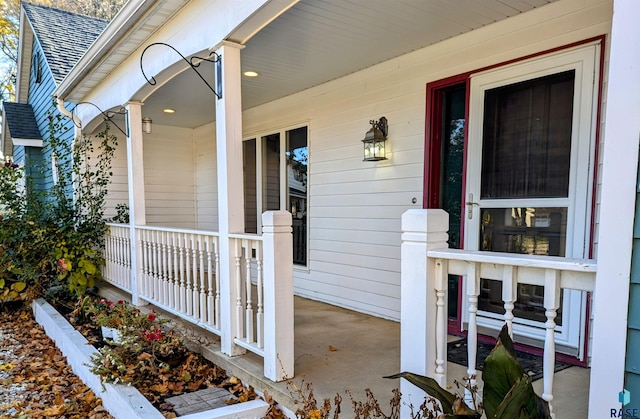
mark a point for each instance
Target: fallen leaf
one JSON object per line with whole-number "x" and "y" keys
{"x": 54, "y": 410}
{"x": 332, "y": 348}
{"x": 160, "y": 388}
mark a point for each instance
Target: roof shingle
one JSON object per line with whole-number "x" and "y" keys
{"x": 64, "y": 36}
{"x": 21, "y": 121}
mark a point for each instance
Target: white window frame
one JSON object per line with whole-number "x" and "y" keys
{"x": 283, "y": 175}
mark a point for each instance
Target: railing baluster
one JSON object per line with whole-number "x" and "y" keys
{"x": 109, "y": 257}
{"x": 165, "y": 268}
{"x": 127, "y": 268}
{"x": 551, "y": 303}
{"x": 203, "y": 292}
{"x": 146, "y": 283}
{"x": 260, "y": 291}
{"x": 189, "y": 266}
{"x": 170, "y": 269}
{"x": 195, "y": 299}
{"x": 441, "y": 284}
{"x": 210, "y": 296}
{"x": 182, "y": 274}
{"x": 238, "y": 284}
{"x": 159, "y": 267}
{"x": 156, "y": 265}
{"x": 116, "y": 257}
{"x": 473, "y": 290}
{"x": 509, "y": 294}
{"x": 249, "y": 303}
{"x": 175, "y": 294}
{"x": 113, "y": 250}
{"x": 217, "y": 279}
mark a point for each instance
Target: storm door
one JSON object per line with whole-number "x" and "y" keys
{"x": 529, "y": 180}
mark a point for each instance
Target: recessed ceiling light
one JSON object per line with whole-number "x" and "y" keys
{"x": 250, "y": 73}
{"x": 169, "y": 110}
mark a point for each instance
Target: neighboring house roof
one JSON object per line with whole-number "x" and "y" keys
{"x": 21, "y": 124}
{"x": 64, "y": 36}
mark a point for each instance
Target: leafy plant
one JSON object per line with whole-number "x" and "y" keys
{"x": 122, "y": 214}
{"x": 121, "y": 315}
{"x": 508, "y": 393}
{"x": 52, "y": 226}
{"x": 144, "y": 348}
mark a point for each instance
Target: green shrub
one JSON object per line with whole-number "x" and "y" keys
{"x": 55, "y": 234}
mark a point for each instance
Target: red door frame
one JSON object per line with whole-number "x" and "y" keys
{"x": 433, "y": 163}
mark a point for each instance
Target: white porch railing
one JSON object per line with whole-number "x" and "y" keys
{"x": 247, "y": 250}
{"x": 179, "y": 271}
{"x": 118, "y": 256}
{"x": 426, "y": 264}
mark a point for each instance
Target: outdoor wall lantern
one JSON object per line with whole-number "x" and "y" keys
{"x": 374, "y": 140}
{"x": 146, "y": 125}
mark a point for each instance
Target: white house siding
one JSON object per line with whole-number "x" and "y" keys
{"x": 355, "y": 206}
{"x": 169, "y": 177}
{"x": 206, "y": 184}
{"x": 180, "y": 177}
{"x": 118, "y": 191}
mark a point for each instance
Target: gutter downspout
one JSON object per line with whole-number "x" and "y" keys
{"x": 74, "y": 118}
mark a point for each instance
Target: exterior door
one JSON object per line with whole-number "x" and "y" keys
{"x": 529, "y": 179}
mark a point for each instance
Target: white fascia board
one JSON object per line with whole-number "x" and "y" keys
{"x": 111, "y": 36}
{"x": 27, "y": 142}
{"x": 3, "y": 133}
{"x": 25, "y": 50}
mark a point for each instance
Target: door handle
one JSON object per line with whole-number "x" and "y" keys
{"x": 470, "y": 205}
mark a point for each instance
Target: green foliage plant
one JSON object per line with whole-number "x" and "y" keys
{"x": 52, "y": 235}
{"x": 122, "y": 214}
{"x": 507, "y": 394}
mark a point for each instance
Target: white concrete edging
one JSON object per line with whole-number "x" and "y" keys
{"x": 121, "y": 401}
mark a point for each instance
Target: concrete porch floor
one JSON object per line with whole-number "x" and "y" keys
{"x": 339, "y": 350}
{"x": 366, "y": 349}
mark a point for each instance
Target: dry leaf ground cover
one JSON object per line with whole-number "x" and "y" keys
{"x": 35, "y": 380}
{"x": 136, "y": 359}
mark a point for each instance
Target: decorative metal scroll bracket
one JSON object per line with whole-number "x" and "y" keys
{"x": 108, "y": 116}
{"x": 193, "y": 62}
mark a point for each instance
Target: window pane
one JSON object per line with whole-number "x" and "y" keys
{"x": 532, "y": 231}
{"x": 250, "y": 189}
{"x": 271, "y": 172}
{"x": 298, "y": 181}
{"x": 527, "y": 138}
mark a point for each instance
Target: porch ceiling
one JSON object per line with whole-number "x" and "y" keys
{"x": 320, "y": 40}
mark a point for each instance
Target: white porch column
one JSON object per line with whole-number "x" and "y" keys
{"x": 137, "y": 209}
{"x": 278, "y": 295}
{"x": 422, "y": 230}
{"x": 230, "y": 185}
{"x": 617, "y": 208}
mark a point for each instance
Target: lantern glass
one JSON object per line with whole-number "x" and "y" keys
{"x": 374, "y": 141}
{"x": 146, "y": 125}
{"x": 374, "y": 150}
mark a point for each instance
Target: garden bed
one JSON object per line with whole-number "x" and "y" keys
{"x": 121, "y": 401}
